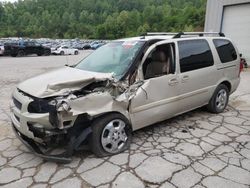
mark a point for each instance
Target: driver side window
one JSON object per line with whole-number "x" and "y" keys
{"x": 160, "y": 61}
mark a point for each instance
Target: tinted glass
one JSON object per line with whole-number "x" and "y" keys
{"x": 194, "y": 54}
{"x": 225, "y": 50}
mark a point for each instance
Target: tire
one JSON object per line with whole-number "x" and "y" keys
{"x": 76, "y": 52}
{"x": 108, "y": 126}
{"x": 20, "y": 53}
{"x": 47, "y": 53}
{"x": 219, "y": 100}
{"x": 62, "y": 53}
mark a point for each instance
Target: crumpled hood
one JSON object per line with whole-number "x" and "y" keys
{"x": 60, "y": 81}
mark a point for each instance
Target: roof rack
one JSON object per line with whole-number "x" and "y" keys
{"x": 200, "y": 34}
{"x": 158, "y": 33}
{"x": 180, "y": 34}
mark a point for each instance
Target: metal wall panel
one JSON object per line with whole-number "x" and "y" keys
{"x": 214, "y": 13}
{"x": 236, "y": 25}
{"x": 233, "y": 18}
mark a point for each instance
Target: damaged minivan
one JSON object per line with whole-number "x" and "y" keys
{"x": 121, "y": 87}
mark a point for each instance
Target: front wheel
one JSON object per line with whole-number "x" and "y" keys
{"x": 47, "y": 53}
{"x": 62, "y": 53}
{"x": 219, "y": 100}
{"x": 111, "y": 135}
{"x": 76, "y": 53}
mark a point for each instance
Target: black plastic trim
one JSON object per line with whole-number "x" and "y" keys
{"x": 65, "y": 157}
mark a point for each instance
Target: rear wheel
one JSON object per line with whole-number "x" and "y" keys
{"x": 76, "y": 53}
{"x": 111, "y": 135}
{"x": 62, "y": 53}
{"x": 219, "y": 100}
{"x": 20, "y": 53}
{"x": 13, "y": 55}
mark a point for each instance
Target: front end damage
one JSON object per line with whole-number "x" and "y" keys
{"x": 64, "y": 121}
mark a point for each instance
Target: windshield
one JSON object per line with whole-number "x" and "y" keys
{"x": 114, "y": 57}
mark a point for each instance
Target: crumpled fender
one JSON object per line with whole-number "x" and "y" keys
{"x": 98, "y": 103}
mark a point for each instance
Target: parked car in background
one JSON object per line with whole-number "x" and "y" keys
{"x": 1, "y": 49}
{"x": 86, "y": 46}
{"x": 22, "y": 48}
{"x": 124, "y": 86}
{"x": 65, "y": 50}
{"x": 78, "y": 45}
{"x": 96, "y": 44}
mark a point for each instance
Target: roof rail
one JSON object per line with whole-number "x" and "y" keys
{"x": 200, "y": 34}
{"x": 160, "y": 33}
{"x": 157, "y": 33}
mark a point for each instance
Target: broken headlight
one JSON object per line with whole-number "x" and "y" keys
{"x": 61, "y": 103}
{"x": 63, "y": 106}
{"x": 61, "y": 109}
{"x": 40, "y": 106}
{"x": 52, "y": 102}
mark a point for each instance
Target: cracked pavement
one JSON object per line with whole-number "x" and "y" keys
{"x": 197, "y": 149}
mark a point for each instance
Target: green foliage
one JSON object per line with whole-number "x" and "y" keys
{"x": 103, "y": 19}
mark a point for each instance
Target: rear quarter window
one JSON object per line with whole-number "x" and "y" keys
{"x": 225, "y": 49}
{"x": 194, "y": 54}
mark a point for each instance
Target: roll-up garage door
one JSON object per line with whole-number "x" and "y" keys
{"x": 236, "y": 25}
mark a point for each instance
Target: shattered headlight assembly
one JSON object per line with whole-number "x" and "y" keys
{"x": 62, "y": 103}
{"x": 63, "y": 106}
{"x": 53, "y": 102}
{"x": 62, "y": 109}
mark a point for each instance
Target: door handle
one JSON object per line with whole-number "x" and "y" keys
{"x": 173, "y": 82}
{"x": 185, "y": 78}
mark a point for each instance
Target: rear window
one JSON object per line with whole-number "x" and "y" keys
{"x": 194, "y": 54}
{"x": 226, "y": 50}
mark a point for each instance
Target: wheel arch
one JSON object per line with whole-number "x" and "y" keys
{"x": 111, "y": 112}
{"x": 85, "y": 117}
{"x": 228, "y": 84}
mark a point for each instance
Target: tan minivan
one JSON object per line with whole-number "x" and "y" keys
{"x": 123, "y": 86}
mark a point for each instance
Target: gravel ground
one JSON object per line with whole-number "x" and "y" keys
{"x": 196, "y": 149}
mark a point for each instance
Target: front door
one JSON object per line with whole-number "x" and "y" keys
{"x": 156, "y": 100}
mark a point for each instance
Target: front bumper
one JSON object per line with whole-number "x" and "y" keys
{"x": 22, "y": 121}
{"x": 65, "y": 157}
{"x": 21, "y": 118}
{"x": 55, "y": 52}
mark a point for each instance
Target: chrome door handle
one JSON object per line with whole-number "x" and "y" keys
{"x": 185, "y": 78}
{"x": 173, "y": 81}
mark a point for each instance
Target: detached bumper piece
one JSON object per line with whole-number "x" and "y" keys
{"x": 65, "y": 157}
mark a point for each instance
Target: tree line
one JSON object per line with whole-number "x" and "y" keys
{"x": 102, "y": 19}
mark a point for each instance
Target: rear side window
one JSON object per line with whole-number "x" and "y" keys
{"x": 194, "y": 54}
{"x": 226, "y": 50}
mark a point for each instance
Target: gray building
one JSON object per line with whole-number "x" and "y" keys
{"x": 231, "y": 17}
